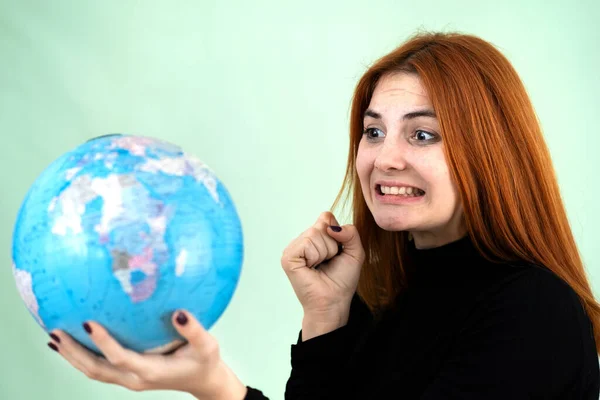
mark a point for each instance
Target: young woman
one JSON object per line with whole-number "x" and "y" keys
{"x": 459, "y": 277}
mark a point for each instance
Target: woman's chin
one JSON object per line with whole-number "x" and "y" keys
{"x": 393, "y": 225}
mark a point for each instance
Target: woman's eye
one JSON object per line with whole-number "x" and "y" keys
{"x": 371, "y": 132}
{"x": 422, "y": 136}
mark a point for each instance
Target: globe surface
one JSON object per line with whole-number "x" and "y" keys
{"x": 124, "y": 230}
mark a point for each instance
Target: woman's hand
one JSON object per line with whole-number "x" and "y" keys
{"x": 196, "y": 367}
{"x": 323, "y": 275}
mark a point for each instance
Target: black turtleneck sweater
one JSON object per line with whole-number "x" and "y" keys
{"x": 464, "y": 329}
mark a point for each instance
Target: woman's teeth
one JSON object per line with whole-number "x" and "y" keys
{"x": 401, "y": 191}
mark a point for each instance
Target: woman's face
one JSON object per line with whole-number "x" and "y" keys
{"x": 402, "y": 148}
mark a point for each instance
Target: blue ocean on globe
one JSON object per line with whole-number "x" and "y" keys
{"x": 124, "y": 230}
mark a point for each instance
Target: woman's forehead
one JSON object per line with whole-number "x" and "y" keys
{"x": 400, "y": 84}
{"x": 399, "y": 93}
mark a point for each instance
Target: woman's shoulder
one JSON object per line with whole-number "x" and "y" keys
{"x": 535, "y": 299}
{"x": 536, "y": 284}
{"x": 539, "y": 320}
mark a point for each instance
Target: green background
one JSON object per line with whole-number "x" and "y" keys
{"x": 260, "y": 91}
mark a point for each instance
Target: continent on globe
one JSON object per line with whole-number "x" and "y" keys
{"x": 24, "y": 286}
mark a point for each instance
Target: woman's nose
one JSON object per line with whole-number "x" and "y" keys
{"x": 390, "y": 156}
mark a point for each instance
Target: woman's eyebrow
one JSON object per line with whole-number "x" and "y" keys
{"x": 411, "y": 115}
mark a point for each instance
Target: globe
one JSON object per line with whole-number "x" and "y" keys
{"x": 124, "y": 230}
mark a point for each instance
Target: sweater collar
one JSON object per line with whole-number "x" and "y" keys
{"x": 446, "y": 263}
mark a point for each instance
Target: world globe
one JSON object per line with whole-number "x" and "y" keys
{"x": 124, "y": 230}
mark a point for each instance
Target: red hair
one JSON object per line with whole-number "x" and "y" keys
{"x": 496, "y": 155}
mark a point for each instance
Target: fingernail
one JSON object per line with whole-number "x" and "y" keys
{"x": 181, "y": 319}
{"x": 53, "y": 347}
{"x": 87, "y": 328}
{"x": 336, "y": 228}
{"x": 55, "y": 338}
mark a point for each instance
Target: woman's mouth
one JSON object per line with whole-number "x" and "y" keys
{"x": 402, "y": 191}
{"x": 398, "y": 195}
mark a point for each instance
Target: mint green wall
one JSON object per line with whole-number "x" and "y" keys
{"x": 260, "y": 91}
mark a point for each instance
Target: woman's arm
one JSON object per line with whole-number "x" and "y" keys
{"x": 318, "y": 364}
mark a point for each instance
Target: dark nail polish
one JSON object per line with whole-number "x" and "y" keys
{"x": 55, "y": 338}
{"x": 181, "y": 319}
{"x": 53, "y": 347}
{"x": 336, "y": 228}
{"x": 87, "y": 328}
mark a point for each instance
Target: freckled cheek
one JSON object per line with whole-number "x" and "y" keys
{"x": 366, "y": 157}
{"x": 437, "y": 181}
{"x": 437, "y": 175}
{"x": 364, "y": 170}
{"x": 364, "y": 180}
{"x": 364, "y": 164}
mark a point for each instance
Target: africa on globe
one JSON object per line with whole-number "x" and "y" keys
{"x": 124, "y": 230}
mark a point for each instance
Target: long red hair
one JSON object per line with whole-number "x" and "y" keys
{"x": 496, "y": 154}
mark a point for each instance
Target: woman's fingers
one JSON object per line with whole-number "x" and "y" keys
{"x": 312, "y": 247}
{"x": 57, "y": 344}
{"x": 118, "y": 356}
{"x": 93, "y": 366}
{"x": 196, "y": 367}
{"x": 198, "y": 337}
{"x": 317, "y": 240}
{"x": 333, "y": 247}
{"x": 327, "y": 218}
